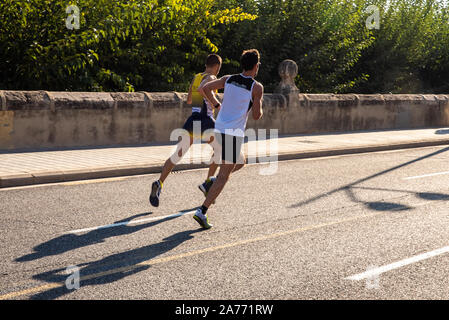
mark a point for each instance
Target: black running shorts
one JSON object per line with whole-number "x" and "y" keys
{"x": 229, "y": 147}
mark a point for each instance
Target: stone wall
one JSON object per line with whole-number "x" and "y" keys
{"x": 40, "y": 119}
{"x": 319, "y": 113}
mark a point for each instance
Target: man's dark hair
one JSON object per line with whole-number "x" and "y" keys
{"x": 213, "y": 59}
{"x": 249, "y": 59}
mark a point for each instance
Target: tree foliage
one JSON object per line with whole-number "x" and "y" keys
{"x": 121, "y": 45}
{"x": 157, "y": 45}
{"x": 325, "y": 38}
{"x": 411, "y": 49}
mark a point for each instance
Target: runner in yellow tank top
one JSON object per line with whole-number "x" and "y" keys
{"x": 196, "y": 99}
{"x": 202, "y": 114}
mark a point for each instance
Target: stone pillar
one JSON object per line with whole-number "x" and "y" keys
{"x": 288, "y": 70}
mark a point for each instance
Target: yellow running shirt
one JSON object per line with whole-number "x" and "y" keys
{"x": 199, "y": 104}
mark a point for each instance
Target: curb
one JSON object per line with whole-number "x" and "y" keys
{"x": 24, "y": 179}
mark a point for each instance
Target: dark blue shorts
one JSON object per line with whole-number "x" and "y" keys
{"x": 204, "y": 122}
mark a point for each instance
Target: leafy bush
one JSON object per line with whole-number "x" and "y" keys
{"x": 121, "y": 45}
{"x": 411, "y": 49}
{"x": 157, "y": 45}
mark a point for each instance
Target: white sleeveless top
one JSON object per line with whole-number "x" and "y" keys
{"x": 237, "y": 101}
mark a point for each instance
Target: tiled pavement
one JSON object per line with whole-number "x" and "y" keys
{"x": 23, "y": 168}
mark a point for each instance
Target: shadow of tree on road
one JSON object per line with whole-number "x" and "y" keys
{"x": 349, "y": 189}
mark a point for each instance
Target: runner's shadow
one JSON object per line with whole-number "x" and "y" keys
{"x": 68, "y": 242}
{"x": 111, "y": 268}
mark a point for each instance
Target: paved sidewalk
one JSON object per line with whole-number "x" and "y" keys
{"x": 27, "y": 168}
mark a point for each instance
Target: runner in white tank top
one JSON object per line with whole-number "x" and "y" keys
{"x": 241, "y": 93}
{"x": 237, "y": 102}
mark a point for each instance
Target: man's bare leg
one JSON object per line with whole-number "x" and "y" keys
{"x": 218, "y": 185}
{"x": 241, "y": 163}
{"x": 223, "y": 177}
{"x": 182, "y": 148}
{"x": 213, "y": 166}
{"x": 205, "y": 187}
{"x": 212, "y": 169}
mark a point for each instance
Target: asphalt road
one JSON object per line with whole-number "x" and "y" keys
{"x": 305, "y": 232}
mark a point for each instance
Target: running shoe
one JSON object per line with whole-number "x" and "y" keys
{"x": 202, "y": 219}
{"x": 155, "y": 193}
{"x": 205, "y": 187}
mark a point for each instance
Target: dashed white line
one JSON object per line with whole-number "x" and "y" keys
{"x": 427, "y": 175}
{"x": 398, "y": 264}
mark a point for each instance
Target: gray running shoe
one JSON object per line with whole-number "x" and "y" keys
{"x": 202, "y": 219}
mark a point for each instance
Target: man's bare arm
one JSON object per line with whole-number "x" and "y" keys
{"x": 257, "y": 101}
{"x": 207, "y": 89}
{"x": 207, "y": 79}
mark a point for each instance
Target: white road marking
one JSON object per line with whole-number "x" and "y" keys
{"x": 398, "y": 264}
{"x": 427, "y": 175}
{"x": 131, "y": 222}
